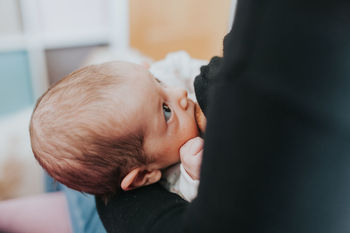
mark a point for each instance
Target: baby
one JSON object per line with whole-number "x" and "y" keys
{"x": 114, "y": 126}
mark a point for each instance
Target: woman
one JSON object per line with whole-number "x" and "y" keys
{"x": 277, "y": 142}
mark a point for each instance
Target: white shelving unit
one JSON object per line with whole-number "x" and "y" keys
{"x": 36, "y": 26}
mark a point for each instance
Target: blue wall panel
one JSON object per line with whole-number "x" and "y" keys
{"x": 15, "y": 82}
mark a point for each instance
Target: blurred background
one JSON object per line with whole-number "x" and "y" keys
{"x": 41, "y": 41}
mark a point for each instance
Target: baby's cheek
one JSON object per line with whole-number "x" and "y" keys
{"x": 176, "y": 156}
{"x": 188, "y": 131}
{"x": 192, "y": 127}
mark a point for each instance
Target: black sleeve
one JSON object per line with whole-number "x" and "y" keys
{"x": 121, "y": 214}
{"x": 205, "y": 80}
{"x": 276, "y": 154}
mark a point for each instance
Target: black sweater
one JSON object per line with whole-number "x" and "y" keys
{"x": 203, "y": 82}
{"x": 276, "y": 154}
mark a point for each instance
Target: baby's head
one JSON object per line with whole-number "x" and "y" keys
{"x": 110, "y": 126}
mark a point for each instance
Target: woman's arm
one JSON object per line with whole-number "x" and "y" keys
{"x": 147, "y": 209}
{"x": 207, "y": 77}
{"x": 276, "y": 153}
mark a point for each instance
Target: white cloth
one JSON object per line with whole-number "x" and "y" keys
{"x": 176, "y": 180}
{"x": 178, "y": 69}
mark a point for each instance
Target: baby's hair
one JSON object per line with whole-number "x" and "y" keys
{"x": 76, "y": 135}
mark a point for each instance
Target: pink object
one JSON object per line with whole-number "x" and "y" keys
{"x": 45, "y": 213}
{"x": 192, "y": 147}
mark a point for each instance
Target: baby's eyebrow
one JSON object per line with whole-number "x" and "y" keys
{"x": 158, "y": 80}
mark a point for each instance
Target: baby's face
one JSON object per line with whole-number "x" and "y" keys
{"x": 165, "y": 114}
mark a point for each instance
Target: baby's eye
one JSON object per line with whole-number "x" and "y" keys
{"x": 166, "y": 112}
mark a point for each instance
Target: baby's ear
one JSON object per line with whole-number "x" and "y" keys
{"x": 140, "y": 177}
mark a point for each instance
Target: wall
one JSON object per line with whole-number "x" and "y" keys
{"x": 158, "y": 27}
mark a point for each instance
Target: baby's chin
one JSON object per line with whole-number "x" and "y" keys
{"x": 201, "y": 120}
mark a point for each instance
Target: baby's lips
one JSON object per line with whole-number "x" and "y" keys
{"x": 192, "y": 146}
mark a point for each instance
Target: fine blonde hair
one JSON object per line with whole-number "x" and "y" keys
{"x": 78, "y": 138}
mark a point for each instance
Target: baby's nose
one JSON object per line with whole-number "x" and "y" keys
{"x": 184, "y": 103}
{"x": 182, "y": 98}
